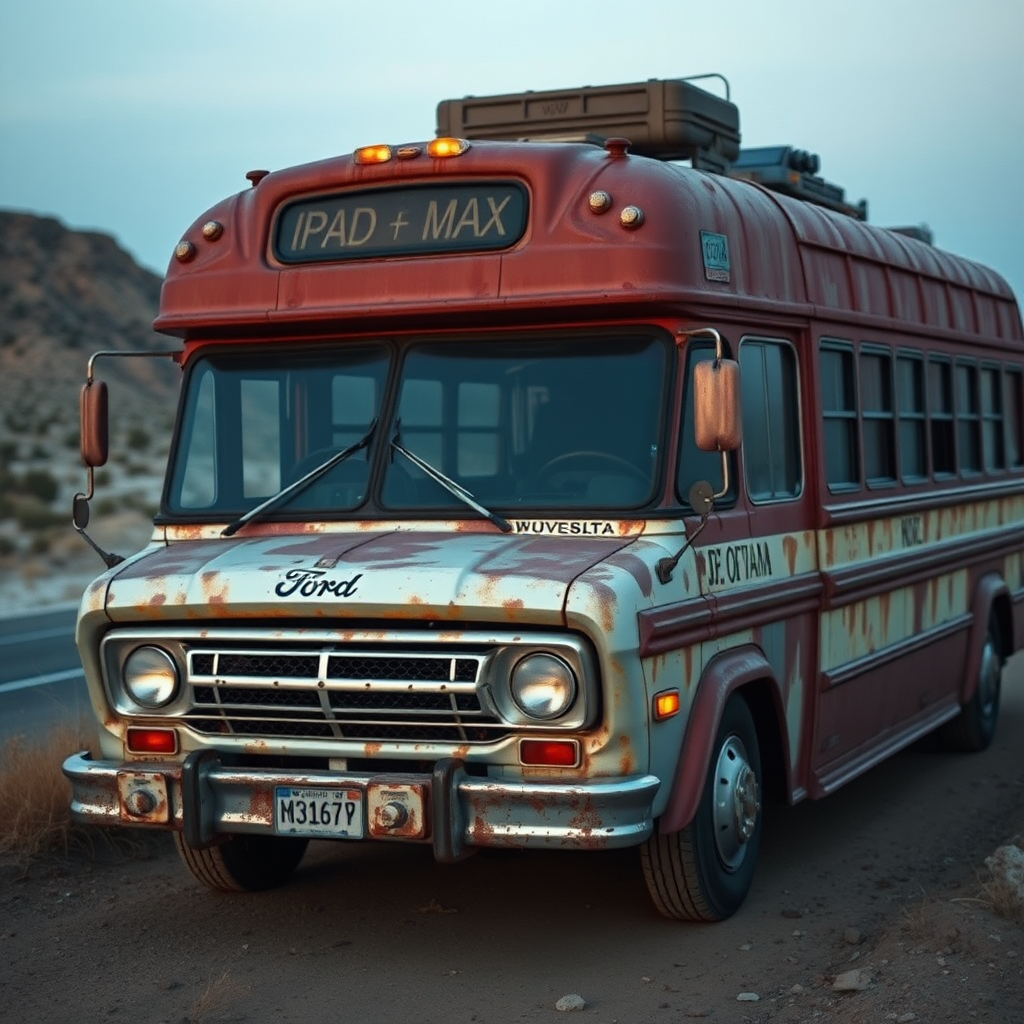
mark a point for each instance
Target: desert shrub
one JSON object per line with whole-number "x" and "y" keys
{"x": 33, "y": 515}
{"x": 40, "y": 483}
{"x": 138, "y": 439}
{"x": 40, "y": 544}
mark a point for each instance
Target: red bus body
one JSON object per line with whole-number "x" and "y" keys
{"x": 850, "y": 592}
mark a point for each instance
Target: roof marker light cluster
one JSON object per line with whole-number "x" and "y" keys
{"x": 440, "y": 148}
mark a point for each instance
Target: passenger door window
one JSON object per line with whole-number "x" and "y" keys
{"x": 771, "y": 419}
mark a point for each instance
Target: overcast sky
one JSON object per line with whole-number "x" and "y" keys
{"x": 134, "y": 116}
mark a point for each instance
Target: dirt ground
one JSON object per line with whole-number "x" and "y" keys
{"x": 128, "y": 936}
{"x": 869, "y": 906}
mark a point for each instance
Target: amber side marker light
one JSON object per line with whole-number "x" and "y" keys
{"x": 373, "y": 154}
{"x": 549, "y": 753}
{"x": 152, "y": 741}
{"x": 666, "y": 704}
{"x": 447, "y": 147}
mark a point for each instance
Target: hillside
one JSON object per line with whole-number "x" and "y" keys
{"x": 64, "y": 295}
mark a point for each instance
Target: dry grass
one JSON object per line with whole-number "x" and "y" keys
{"x": 215, "y": 997}
{"x": 34, "y": 795}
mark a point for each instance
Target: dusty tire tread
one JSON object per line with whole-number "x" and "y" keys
{"x": 212, "y": 865}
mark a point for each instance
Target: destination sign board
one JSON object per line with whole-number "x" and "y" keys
{"x": 421, "y": 220}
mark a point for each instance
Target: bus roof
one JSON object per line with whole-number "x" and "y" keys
{"x": 669, "y": 237}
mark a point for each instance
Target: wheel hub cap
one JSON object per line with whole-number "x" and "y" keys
{"x": 737, "y": 803}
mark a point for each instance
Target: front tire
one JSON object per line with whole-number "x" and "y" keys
{"x": 972, "y": 730}
{"x": 704, "y": 871}
{"x": 243, "y": 863}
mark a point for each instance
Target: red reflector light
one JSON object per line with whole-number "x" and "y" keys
{"x": 549, "y": 753}
{"x": 152, "y": 741}
{"x": 666, "y": 704}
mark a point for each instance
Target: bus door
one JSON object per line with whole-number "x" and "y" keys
{"x": 758, "y": 550}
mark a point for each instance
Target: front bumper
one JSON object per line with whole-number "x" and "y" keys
{"x": 451, "y": 809}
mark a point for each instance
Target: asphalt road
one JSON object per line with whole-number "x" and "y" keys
{"x": 41, "y": 681}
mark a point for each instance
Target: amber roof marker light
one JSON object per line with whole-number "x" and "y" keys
{"x": 446, "y": 147}
{"x": 378, "y": 154}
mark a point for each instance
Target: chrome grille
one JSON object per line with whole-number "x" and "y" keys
{"x": 366, "y": 695}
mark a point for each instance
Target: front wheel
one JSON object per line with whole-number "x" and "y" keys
{"x": 243, "y": 863}
{"x": 704, "y": 871}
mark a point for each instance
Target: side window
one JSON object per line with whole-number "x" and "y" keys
{"x": 940, "y": 416}
{"x": 771, "y": 419}
{"x": 913, "y": 444}
{"x": 1013, "y": 409}
{"x": 968, "y": 418}
{"x": 197, "y": 475}
{"x": 839, "y": 415}
{"x": 878, "y": 415}
{"x": 695, "y": 464}
{"x": 992, "y": 448}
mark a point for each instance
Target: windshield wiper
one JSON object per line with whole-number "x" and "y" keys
{"x": 450, "y": 485}
{"x": 301, "y": 484}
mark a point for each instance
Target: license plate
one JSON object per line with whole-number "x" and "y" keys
{"x": 332, "y": 813}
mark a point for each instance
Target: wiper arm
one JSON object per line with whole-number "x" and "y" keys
{"x": 451, "y": 486}
{"x": 301, "y": 484}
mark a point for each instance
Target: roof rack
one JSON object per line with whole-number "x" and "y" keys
{"x": 794, "y": 172}
{"x": 669, "y": 119}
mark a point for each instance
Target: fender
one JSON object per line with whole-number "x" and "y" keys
{"x": 723, "y": 675}
{"x": 990, "y": 588}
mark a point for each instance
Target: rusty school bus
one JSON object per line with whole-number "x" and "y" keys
{"x": 573, "y": 479}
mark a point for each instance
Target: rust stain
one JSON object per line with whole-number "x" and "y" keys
{"x": 481, "y": 831}
{"x": 689, "y": 652}
{"x": 261, "y": 806}
{"x": 627, "y": 762}
{"x": 789, "y": 549}
{"x": 371, "y": 749}
{"x": 830, "y": 548}
{"x": 157, "y": 600}
{"x": 885, "y": 606}
{"x": 474, "y": 526}
{"x": 587, "y": 823}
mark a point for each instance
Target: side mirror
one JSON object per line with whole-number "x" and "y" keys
{"x": 93, "y": 422}
{"x": 716, "y": 405}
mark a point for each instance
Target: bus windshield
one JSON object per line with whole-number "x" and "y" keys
{"x": 572, "y": 423}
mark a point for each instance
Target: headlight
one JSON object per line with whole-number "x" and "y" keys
{"x": 150, "y": 677}
{"x": 543, "y": 686}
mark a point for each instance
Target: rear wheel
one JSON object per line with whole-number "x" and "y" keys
{"x": 704, "y": 871}
{"x": 972, "y": 730}
{"x": 243, "y": 863}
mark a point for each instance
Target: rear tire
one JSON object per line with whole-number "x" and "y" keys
{"x": 243, "y": 863}
{"x": 704, "y": 871}
{"x": 972, "y": 730}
